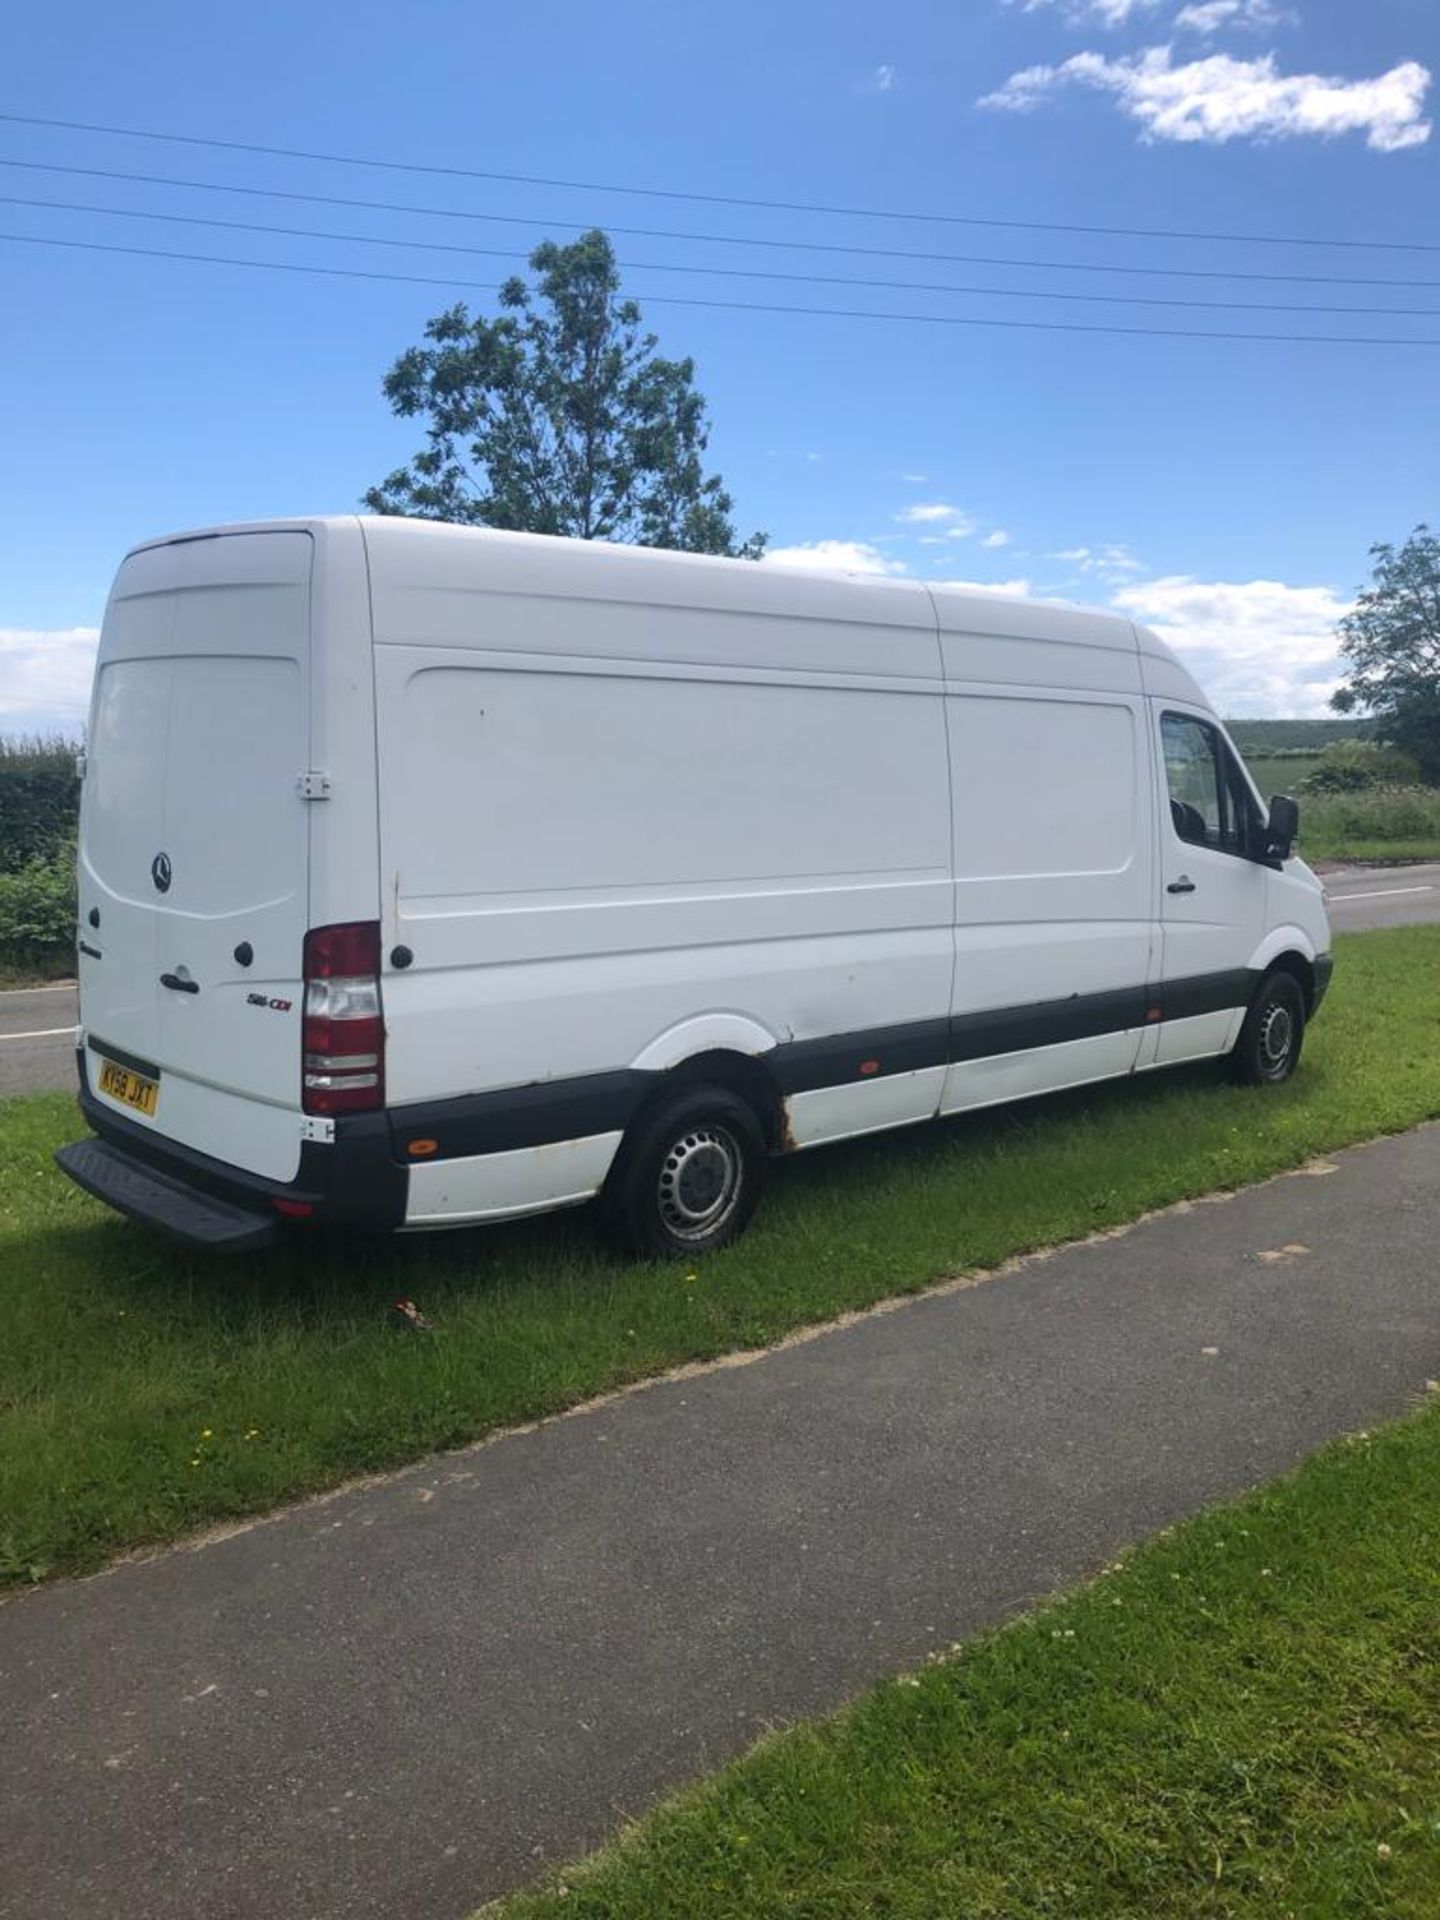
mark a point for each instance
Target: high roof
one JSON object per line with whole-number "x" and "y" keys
{"x": 655, "y": 576}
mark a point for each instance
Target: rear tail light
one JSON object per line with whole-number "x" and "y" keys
{"x": 344, "y": 1030}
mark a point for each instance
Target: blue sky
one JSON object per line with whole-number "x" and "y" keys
{"x": 1226, "y": 491}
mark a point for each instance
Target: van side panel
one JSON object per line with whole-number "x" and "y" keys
{"x": 580, "y": 860}
{"x": 1055, "y": 916}
{"x": 586, "y": 850}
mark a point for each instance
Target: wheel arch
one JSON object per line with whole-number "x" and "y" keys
{"x": 1287, "y": 950}
{"x": 739, "y": 1073}
{"x": 722, "y": 1049}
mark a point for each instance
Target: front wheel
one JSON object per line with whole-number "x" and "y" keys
{"x": 687, "y": 1177}
{"x": 1268, "y": 1049}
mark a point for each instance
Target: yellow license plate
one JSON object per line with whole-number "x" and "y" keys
{"x": 131, "y": 1089}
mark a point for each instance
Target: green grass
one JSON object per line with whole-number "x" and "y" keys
{"x": 1280, "y": 775}
{"x": 1391, "y": 823}
{"x": 17, "y": 973}
{"x": 1240, "y": 1720}
{"x": 1386, "y": 824}
{"x": 145, "y": 1391}
{"x": 1378, "y": 853}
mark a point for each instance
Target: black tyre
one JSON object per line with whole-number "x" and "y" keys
{"x": 1268, "y": 1049}
{"x": 688, "y": 1175}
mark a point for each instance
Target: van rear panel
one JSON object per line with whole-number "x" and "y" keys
{"x": 194, "y": 847}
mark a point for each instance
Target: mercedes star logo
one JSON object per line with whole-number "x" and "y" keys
{"x": 160, "y": 872}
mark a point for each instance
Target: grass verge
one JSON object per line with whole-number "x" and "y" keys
{"x": 18, "y": 972}
{"x": 1241, "y": 1720}
{"x": 1389, "y": 823}
{"x": 145, "y": 1391}
{"x": 1356, "y": 852}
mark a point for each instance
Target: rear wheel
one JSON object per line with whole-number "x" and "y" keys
{"x": 1268, "y": 1049}
{"x": 688, "y": 1176}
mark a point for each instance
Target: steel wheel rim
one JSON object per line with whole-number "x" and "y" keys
{"x": 1277, "y": 1037}
{"x": 700, "y": 1181}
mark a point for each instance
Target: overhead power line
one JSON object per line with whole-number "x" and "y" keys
{"x": 717, "y": 239}
{"x": 742, "y": 273}
{"x": 710, "y": 199}
{"x": 745, "y": 306}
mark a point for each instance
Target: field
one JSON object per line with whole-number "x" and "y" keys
{"x": 1281, "y": 774}
{"x": 1238, "y": 1722}
{"x": 1263, "y": 737}
{"x": 144, "y": 1392}
{"x": 1392, "y": 823}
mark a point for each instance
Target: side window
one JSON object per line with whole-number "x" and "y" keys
{"x": 1210, "y": 803}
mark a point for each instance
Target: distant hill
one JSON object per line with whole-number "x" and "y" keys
{"x": 1290, "y": 736}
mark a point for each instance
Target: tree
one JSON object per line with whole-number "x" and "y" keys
{"x": 559, "y": 416}
{"x": 1391, "y": 642}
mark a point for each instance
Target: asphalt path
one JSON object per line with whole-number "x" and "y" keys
{"x": 37, "y": 1026}
{"x": 409, "y": 1697}
{"x": 37, "y": 1039}
{"x": 1360, "y": 898}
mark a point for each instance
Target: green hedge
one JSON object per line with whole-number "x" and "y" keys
{"x": 1329, "y": 823}
{"x": 1360, "y": 766}
{"x": 39, "y": 806}
{"x": 37, "y": 911}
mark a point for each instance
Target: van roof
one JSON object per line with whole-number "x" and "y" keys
{"x": 606, "y": 569}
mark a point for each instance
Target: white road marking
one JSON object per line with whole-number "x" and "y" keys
{"x": 40, "y": 1033}
{"x": 60, "y": 986}
{"x": 1380, "y": 893}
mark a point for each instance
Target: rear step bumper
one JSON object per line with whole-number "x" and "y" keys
{"x": 353, "y": 1180}
{"x": 185, "y": 1214}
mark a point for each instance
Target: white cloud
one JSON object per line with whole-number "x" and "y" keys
{"x": 1219, "y": 98}
{"x": 1256, "y": 646}
{"x": 45, "y": 678}
{"x": 865, "y": 557}
{"x": 1104, "y": 13}
{"x": 835, "y": 556}
{"x": 999, "y": 538}
{"x": 1112, "y": 562}
{"x": 1008, "y": 589}
{"x": 1211, "y": 16}
{"x": 938, "y": 512}
{"x": 915, "y": 479}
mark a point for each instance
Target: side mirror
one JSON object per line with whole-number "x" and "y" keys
{"x": 1282, "y": 828}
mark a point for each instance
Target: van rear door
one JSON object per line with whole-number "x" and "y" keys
{"x": 194, "y": 840}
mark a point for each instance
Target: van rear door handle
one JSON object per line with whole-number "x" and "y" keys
{"x": 1183, "y": 885}
{"x": 177, "y": 985}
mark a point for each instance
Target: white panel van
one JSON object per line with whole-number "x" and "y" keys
{"x": 430, "y": 876}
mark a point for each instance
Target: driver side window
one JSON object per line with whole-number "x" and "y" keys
{"x": 1210, "y": 805}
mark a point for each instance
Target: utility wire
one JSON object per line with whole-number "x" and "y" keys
{"x": 743, "y": 273}
{"x": 711, "y": 199}
{"x": 744, "y": 306}
{"x": 715, "y": 239}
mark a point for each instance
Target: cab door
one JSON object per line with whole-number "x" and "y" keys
{"x": 1213, "y": 890}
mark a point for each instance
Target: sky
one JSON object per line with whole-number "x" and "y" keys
{"x": 1224, "y": 490}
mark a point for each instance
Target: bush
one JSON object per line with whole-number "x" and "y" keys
{"x": 37, "y": 911}
{"x": 1359, "y": 766}
{"x": 1379, "y": 813}
{"x": 39, "y": 800}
